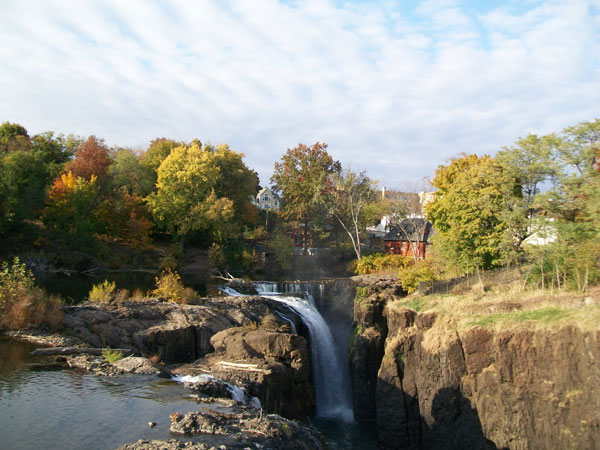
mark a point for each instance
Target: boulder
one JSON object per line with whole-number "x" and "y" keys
{"x": 271, "y": 365}
{"x": 141, "y": 366}
{"x": 248, "y": 429}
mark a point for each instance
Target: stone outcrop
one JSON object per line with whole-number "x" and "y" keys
{"x": 245, "y": 428}
{"x": 442, "y": 384}
{"x": 269, "y": 364}
{"x": 172, "y": 332}
{"x": 367, "y": 343}
{"x": 238, "y": 428}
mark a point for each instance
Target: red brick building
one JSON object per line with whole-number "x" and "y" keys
{"x": 409, "y": 238}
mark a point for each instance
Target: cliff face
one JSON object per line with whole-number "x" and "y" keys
{"x": 442, "y": 385}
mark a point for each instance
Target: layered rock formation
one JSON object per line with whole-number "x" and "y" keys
{"x": 444, "y": 384}
{"x": 172, "y": 332}
{"x": 270, "y": 365}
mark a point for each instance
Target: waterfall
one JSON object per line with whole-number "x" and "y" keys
{"x": 332, "y": 397}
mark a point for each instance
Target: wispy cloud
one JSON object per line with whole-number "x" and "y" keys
{"x": 392, "y": 89}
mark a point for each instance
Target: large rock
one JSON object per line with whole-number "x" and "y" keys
{"x": 140, "y": 366}
{"x": 443, "y": 386}
{"x": 234, "y": 428}
{"x": 269, "y": 364}
{"x": 367, "y": 348}
{"x": 172, "y": 332}
{"x": 248, "y": 429}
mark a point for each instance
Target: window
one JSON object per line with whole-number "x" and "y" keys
{"x": 267, "y": 206}
{"x": 266, "y": 198}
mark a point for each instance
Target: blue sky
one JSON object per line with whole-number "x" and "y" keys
{"x": 393, "y": 87}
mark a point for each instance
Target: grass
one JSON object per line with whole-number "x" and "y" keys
{"x": 544, "y": 315}
{"x": 111, "y": 355}
{"x": 22, "y": 303}
{"x": 103, "y": 292}
{"x": 501, "y": 309}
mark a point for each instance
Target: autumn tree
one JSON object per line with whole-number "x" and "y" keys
{"x": 91, "y": 158}
{"x": 71, "y": 211}
{"x": 471, "y": 211}
{"x": 185, "y": 199}
{"x": 302, "y": 177}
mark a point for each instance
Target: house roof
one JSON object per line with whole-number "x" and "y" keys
{"x": 267, "y": 190}
{"x": 413, "y": 229}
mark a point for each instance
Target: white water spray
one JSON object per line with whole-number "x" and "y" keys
{"x": 332, "y": 401}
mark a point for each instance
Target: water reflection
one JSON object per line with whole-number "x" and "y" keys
{"x": 69, "y": 409}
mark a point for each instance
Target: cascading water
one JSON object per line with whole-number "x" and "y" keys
{"x": 332, "y": 397}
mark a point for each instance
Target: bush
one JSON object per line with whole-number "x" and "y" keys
{"x": 378, "y": 262}
{"x": 22, "y": 304}
{"x": 411, "y": 276}
{"x": 103, "y": 292}
{"x": 170, "y": 287}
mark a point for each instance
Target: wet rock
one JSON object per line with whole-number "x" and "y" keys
{"x": 94, "y": 365}
{"x": 142, "y": 366}
{"x": 270, "y": 365}
{"x": 171, "y": 444}
{"x": 248, "y": 428}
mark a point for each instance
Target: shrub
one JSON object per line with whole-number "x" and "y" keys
{"x": 378, "y": 262}
{"x": 111, "y": 355}
{"x": 411, "y": 276}
{"x": 103, "y": 292}
{"x": 169, "y": 286}
{"x": 22, "y": 304}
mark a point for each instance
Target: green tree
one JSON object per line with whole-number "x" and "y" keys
{"x": 128, "y": 174}
{"x": 13, "y": 137}
{"x": 471, "y": 211}
{"x": 302, "y": 177}
{"x": 72, "y": 211}
{"x": 236, "y": 182}
{"x": 155, "y": 154}
{"x": 185, "y": 199}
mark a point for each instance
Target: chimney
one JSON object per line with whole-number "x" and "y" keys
{"x": 383, "y": 192}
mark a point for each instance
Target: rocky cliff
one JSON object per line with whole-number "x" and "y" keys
{"x": 497, "y": 374}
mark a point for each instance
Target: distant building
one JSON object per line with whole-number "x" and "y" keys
{"x": 409, "y": 238}
{"x": 266, "y": 199}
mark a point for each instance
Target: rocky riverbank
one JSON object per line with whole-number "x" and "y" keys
{"x": 481, "y": 373}
{"x": 236, "y": 355}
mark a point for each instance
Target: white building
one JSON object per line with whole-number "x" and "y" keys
{"x": 266, "y": 199}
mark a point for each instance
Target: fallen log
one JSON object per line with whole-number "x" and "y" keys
{"x": 76, "y": 351}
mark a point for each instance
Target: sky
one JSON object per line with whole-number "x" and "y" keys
{"x": 395, "y": 88}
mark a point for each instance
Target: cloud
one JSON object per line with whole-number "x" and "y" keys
{"x": 392, "y": 89}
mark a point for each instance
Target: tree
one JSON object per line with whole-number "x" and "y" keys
{"x": 530, "y": 161}
{"x": 471, "y": 212}
{"x": 72, "y": 211}
{"x": 128, "y": 174}
{"x": 352, "y": 200}
{"x": 185, "y": 199}
{"x": 155, "y": 154}
{"x": 13, "y": 137}
{"x": 91, "y": 158}
{"x": 403, "y": 210}
{"x": 236, "y": 182}
{"x": 303, "y": 180}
